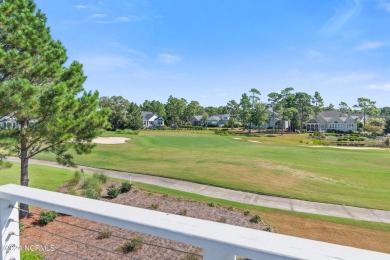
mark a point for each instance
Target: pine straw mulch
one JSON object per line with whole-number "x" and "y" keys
{"x": 151, "y": 247}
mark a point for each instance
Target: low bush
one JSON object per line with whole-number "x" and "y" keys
{"x": 92, "y": 194}
{"x": 45, "y": 217}
{"x": 154, "y": 206}
{"x": 126, "y": 186}
{"x": 126, "y": 132}
{"x": 30, "y": 255}
{"x": 211, "y": 204}
{"x": 105, "y": 234}
{"x": 255, "y": 219}
{"x": 246, "y": 213}
{"x": 76, "y": 179}
{"x": 101, "y": 177}
{"x": 131, "y": 245}
{"x": 113, "y": 192}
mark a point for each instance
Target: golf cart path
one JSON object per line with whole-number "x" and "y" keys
{"x": 356, "y": 213}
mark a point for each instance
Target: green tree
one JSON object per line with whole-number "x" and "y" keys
{"x": 344, "y": 108}
{"x": 134, "y": 117}
{"x": 192, "y": 109}
{"x": 175, "y": 108}
{"x": 329, "y": 108}
{"x": 367, "y": 106}
{"x": 286, "y": 106}
{"x": 318, "y": 103}
{"x": 254, "y": 99}
{"x": 274, "y": 98}
{"x": 234, "y": 110}
{"x": 155, "y": 107}
{"x": 245, "y": 110}
{"x": 118, "y": 106}
{"x": 385, "y": 113}
{"x": 205, "y": 115}
{"x": 303, "y": 106}
{"x": 259, "y": 115}
{"x": 211, "y": 110}
{"x": 53, "y": 111}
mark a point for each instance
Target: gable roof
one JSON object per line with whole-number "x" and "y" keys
{"x": 146, "y": 115}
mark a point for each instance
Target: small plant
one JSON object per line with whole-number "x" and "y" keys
{"x": 92, "y": 194}
{"x": 222, "y": 220}
{"x": 45, "y": 217}
{"x": 191, "y": 257}
{"x": 76, "y": 179}
{"x": 21, "y": 228}
{"x": 126, "y": 186}
{"x": 101, "y": 177}
{"x": 131, "y": 245}
{"x": 165, "y": 196}
{"x": 105, "y": 234}
{"x": 211, "y": 204}
{"x": 246, "y": 213}
{"x": 230, "y": 208}
{"x": 183, "y": 212}
{"x": 154, "y": 206}
{"x": 30, "y": 255}
{"x": 113, "y": 192}
{"x": 255, "y": 219}
{"x": 136, "y": 191}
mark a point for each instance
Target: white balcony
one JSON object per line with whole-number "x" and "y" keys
{"x": 218, "y": 240}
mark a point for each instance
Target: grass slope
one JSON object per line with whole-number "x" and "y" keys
{"x": 351, "y": 177}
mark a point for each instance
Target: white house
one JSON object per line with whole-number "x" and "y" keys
{"x": 8, "y": 122}
{"x": 151, "y": 120}
{"x": 332, "y": 120}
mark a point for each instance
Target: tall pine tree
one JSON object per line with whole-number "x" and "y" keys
{"x": 52, "y": 110}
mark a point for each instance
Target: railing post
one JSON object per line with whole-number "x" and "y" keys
{"x": 9, "y": 237}
{"x": 215, "y": 254}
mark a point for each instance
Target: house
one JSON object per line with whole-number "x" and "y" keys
{"x": 332, "y": 120}
{"x": 218, "y": 120}
{"x": 196, "y": 120}
{"x": 8, "y": 121}
{"x": 151, "y": 120}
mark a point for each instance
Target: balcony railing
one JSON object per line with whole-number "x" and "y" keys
{"x": 219, "y": 241}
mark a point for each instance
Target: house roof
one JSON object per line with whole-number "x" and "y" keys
{"x": 197, "y": 118}
{"x": 146, "y": 115}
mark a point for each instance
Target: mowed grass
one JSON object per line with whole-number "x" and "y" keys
{"x": 361, "y": 234}
{"x": 350, "y": 177}
{"x": 42, "y": 177}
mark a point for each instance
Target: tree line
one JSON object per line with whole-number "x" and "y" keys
{"x": 251, "y": 110}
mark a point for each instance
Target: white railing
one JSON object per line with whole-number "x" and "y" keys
{"x": 219, "y": 241}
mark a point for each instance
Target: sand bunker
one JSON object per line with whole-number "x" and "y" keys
{"x": 253, "y": 141}
{"x": 237, "y": 138}
{"x": 110, "y": 140}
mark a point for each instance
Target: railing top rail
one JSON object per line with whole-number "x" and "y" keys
{"x": 222, "y": 237}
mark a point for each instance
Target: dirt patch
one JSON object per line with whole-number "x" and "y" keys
{"x": 152, "y": 247}
{"x": 347, "y": 235}
{"x": 110, "y": 140}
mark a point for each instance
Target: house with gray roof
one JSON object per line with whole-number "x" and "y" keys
{"x": 332, "y": 120}
{"x": 8, "y": 121}
{"x": 151, "y": 120}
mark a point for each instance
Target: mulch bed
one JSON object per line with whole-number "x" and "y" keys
{"x": 72, "y": 242}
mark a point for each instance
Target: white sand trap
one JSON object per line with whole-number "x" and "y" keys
{"x": 237, "y": 138}
{"x": 110, "y": 140}
{"x": 349, "y": 147}
{"x": 253, "y": 141}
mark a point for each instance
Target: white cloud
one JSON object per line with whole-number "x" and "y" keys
{"x": 80, "y": 6}
{"x": 370, "y": 45}
{"x": 166, "y": 58}
{"x": 97, "y": 16}
{"x": 380, "y": 86}
{"x": 313, "y": 53}
{"x": 384, "y": 5}
{"x": 342, "y": 15}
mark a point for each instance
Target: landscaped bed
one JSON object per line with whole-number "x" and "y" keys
{"x": 148, "y": 247}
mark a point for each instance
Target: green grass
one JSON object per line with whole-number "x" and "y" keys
{"x": 259, "y": 209}
{"x": 280, "y": 165}
{"x": 42, "y": 177}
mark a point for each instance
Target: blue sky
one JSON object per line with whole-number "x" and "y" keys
{"x": 212, "y": 51}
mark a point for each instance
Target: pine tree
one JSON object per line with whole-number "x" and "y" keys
{"x": 52, "y": 110}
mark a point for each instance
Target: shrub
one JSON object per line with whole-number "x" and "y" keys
{"x": 113, "y": 192}
{"x": 101, "y": 177}
{"x": 183, "y": 212}
{"x": 92, "y": 194}
{"x": 154, "y": 206}
{"x": 45, "y": 217}
{"x": 30, "y": 255}
{"x": 255, "y": 219}
{"x": 105, "y": 234}
{"x": 76, "y": 179}
{"x": 246, "y": 213}
{"x": 126, "y": 186}
{"x": 131, "y": 245}
{"x": 5, "y": 164}
{"x": 93, "y": 184}
{"x": 126, "y": 132}
{"x": 211, "y": 204}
